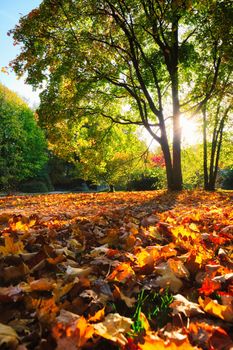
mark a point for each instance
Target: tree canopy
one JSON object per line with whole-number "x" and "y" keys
{"x": 22, "y": 142}
{"x": 102, "y": 151}
{"x": 145, "y": 55}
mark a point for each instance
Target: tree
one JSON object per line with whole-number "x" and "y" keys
{"x": 102, "y": 152}
{"x": 138, "y": 53}
{"x": 218, "y": 114}
{"x": 22, "y": 142}
{"x": 215, "y": 93}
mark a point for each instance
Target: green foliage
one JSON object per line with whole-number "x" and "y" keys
{"x": 227, "y": 179}
{"x": 33, "y": 186}
{"x": 22, "y": 142}
{"x": 152, "y": 178}
{"x": 101, "y": 151}
{"x": 192, "y": 164}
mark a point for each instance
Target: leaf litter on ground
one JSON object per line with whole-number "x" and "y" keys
{"x": 130, "y": 271}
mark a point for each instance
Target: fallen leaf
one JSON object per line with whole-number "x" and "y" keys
{"x": 168, "y": 278}
{"x": 210, "y": 336}
{"x": 98, "y": 316}
{"x": 120, "y": 295}
{"x": 114, "y": 327}
{"x": 225, "y": 312}
{"x": 11, "y": 247}
{"x": 43, "y": 284}
{"x": 182, "y": 305}
{"x": 8, "y": 337}
{"x": 153, "y": 341}
{"x": 121, "y": 273}
{"x": 76, "y": 271}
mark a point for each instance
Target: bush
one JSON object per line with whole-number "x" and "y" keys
{"x": 33, "y": 186}
{"x": 227, "y": 179}
{"x": 144, "y": 184}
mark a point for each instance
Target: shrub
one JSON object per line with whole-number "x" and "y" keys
{"x": 33, "y": 186}
{"x": 144, "y": 184}
{"x": 227, "y": 179}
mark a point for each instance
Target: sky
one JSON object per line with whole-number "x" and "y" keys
{"x": 10, "y": 12}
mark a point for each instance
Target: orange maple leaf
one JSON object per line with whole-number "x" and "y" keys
{"x": 11, "y": 247}
{"x": 212, "y": 307}
{"x": 121, "y": 273}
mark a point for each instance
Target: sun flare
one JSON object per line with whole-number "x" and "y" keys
{"x": 191, "y": 135}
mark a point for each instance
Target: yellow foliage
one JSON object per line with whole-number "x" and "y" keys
{"x": 11, "y": 247}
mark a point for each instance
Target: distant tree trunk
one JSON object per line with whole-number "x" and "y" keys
{"x": 205, "y": 153}
{"x": 211, "y": 172}
{"x": 111, "y": 188}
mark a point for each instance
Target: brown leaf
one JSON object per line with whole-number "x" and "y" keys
{"x": 182, "y": 305}
{"x": 10, "y": 294}
{"x": 13, "y": 273}
{"x": 43, "y": 284}
{"x": 8, "y": 336}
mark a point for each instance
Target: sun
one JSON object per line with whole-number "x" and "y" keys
{"x": 191, "y": 134}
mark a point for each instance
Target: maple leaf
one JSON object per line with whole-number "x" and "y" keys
{"x": 46, "y": 309}
{"x": 76, "y": 271}
{"x": 99, "y": 315}
{"x": 74, "y": 335}
{"x": 153, "y": 341}
{"x": 11, "y": 247}
{"x": 121, "y": 273}
{"x": 209, "y": 286}
{"x": 8, "y": 337}
{"x": 210, "y": 336}
{"x": 225, "y": 312}
{"x": 43, "y": 284}
{"x": 114, "y": 327}
{"x": 169, "y": 272}
{"x": 83, "y": 331}
{"x": 182, "y": 305}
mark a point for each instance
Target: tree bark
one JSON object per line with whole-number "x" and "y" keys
{"x": 205, "y": 153}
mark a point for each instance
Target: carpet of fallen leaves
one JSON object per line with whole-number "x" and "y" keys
{"x": 130, "y": 271}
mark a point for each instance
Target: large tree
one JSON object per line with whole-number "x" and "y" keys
{"x": 102, "y": 152}
{"x": 138, "y": 53}
{"x": 216, "y": 93}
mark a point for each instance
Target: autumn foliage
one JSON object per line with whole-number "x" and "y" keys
{"x": 129, "y": 271}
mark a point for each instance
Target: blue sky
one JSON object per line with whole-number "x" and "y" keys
{"x": 10, "y": 12}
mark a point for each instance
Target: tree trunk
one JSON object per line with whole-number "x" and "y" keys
{"x": 174, "y": 74}
{"x": 111, "y": 188}
{"x": 205, "y": 154}
{"x": 210, "y": 175}
{"x": 168, "y": 164}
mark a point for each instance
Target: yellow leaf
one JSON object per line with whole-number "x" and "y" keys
{"x": 194, "y": 227}
{"x": 83, "y": 332}
{"x": 11, "y": 247}
{"x": 99, "y": 315}
{"x": 212, "y": 307}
